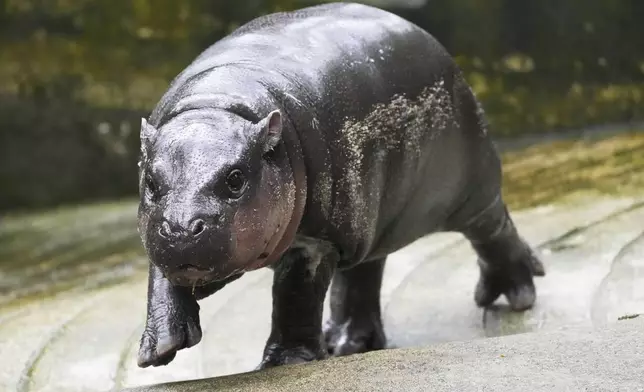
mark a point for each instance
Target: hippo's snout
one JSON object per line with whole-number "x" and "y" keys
{"x": 191, "y": 245}
{"x": 176, "y": 231}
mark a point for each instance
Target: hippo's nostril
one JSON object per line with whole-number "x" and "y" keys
{"x": 164, "y": 230}
{"x": 197, "y": 227}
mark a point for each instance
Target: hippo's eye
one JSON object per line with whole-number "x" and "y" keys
{"x": 150, "y": 185}
{"x": 236, "y": 182}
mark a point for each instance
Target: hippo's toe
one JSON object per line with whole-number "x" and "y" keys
{"x": 358, "y": 335}
{"x": 275, "y": 355}
{"x": 167, "y": 334}
{"x": 514, "y": 281}
{"x": 148, "y": 353}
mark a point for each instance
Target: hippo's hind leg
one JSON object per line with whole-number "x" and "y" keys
{"x": 506, "y": 261}
{"x": 355, "y": 325}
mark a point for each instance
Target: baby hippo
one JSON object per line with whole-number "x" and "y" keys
{"x": 315, "y": 143}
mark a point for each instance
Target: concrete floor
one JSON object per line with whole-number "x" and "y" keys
{"x": 577, "y": 359}
{"x": 85, "y": 339}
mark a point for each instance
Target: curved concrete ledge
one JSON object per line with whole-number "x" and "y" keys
{"x": 606, "y": 359}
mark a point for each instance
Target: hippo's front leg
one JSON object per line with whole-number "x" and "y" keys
{"x": 300, "y": 283}
{"x": 172, "y": 321}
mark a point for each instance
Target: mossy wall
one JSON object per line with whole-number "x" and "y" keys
{"x": 76, "y": 76}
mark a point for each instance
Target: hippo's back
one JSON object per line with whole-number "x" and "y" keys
{"x": 310, "y": 51}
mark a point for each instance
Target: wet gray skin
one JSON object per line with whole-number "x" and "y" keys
{"x": 316, "y": 143}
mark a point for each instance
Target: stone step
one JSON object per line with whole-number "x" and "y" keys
{"x": 86, "y": 339}
{"x": 575, "y": 359}
{"x": 577, "y": 256}
{"x": 621, "y": 292}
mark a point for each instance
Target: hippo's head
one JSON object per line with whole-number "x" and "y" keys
{"x": 217, "y": 194}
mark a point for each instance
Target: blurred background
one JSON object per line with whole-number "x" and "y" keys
{"x": 77, "y": 75}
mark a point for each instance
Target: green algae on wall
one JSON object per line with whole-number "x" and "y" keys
{"x": 545, "y": 173}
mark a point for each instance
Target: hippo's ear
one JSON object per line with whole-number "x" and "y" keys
{"x": 271, "y": 130}
{"x": 147, "y": 133}
{"x": 147, "y": 130}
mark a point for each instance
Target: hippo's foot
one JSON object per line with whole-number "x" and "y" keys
{"x": 355, "y": 325}
{"x": 514, "y": 280}
{"x": 275, "y": 355}
{"x": 357, "y": 335}
{"x": 507, "y": 262}
{"x": 171, "y": 326}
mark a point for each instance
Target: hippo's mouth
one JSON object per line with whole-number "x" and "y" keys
{"x": 191, "y": 275}
{"x": 188, "y": 275}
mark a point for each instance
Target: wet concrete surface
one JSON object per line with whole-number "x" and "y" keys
{"x": 72, "y": 307}
{"x": 578, "y": 359}
{"x": 86, "y": 340}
